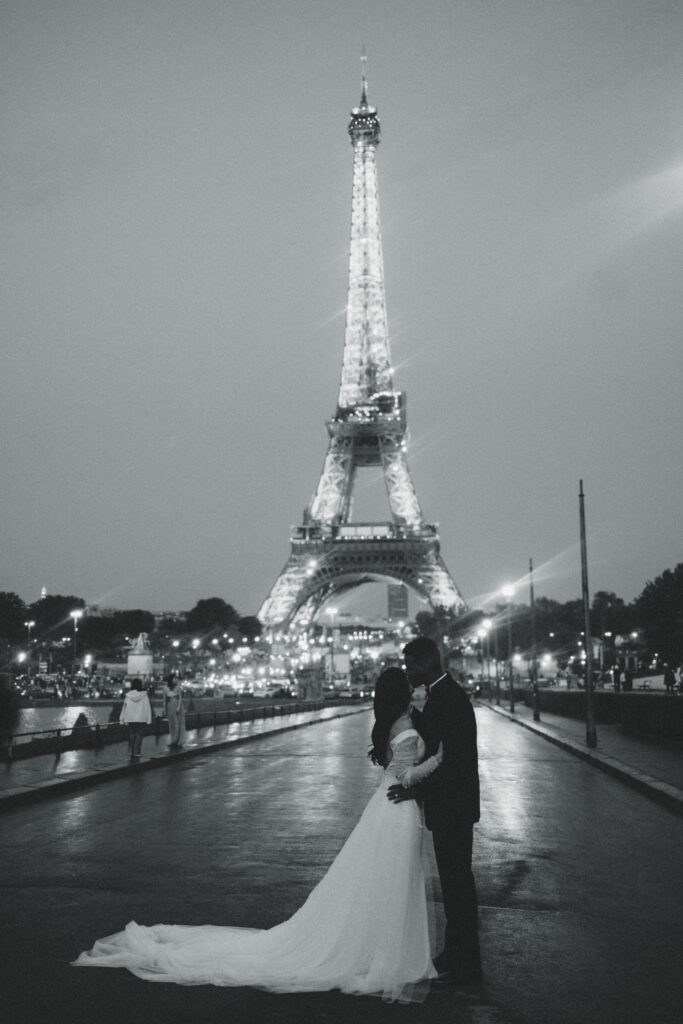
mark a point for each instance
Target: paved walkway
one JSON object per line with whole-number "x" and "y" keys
{"x": 578, "y": 877}
{"x": 651, "y": 768}
{"x": 36, "y": 778}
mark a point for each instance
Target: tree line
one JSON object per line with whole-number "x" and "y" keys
{"x": 650, "y": 626}
{"x": 655, "y": 616}
{"x": 52, "y": 622}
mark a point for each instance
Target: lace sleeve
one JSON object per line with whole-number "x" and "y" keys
{"x": 411, "y": 776}
{"x": 406, "y": 751}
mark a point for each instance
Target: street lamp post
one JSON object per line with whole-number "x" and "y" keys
{"x": 75, "y": 615}
{"x": 482, "y": 635}
{"x": 486, "y": 625}
{"x": 534, "y": 661}
{"x": 29, "y": 627}
{"x": 497, "y": 661}
{"x": 508, "y": 593}
{"x": 591, "y": 734}
{"x": 332, "y": 612}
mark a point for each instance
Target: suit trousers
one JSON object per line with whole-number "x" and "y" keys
{"x": 453, "y": 850}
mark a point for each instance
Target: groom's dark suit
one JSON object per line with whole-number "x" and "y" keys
{"x": 451, "y": 803}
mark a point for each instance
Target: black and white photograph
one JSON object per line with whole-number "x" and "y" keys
{"x": 341, "y": 575}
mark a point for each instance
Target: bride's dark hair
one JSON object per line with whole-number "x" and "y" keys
{"x": 392, "y": 696}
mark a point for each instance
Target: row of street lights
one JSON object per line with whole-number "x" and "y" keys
{"x": 29, "y": 624}
{"x": 508, "y": 592}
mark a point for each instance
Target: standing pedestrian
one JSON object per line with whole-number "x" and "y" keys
{"x": 136, "y": 713}
{"x": 669, "y": 678}
{"x": 174, "y": 711}
{"x": 451, "y": 804}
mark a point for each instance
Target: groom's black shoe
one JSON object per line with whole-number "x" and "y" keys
{"x": 459, "y": 976}
{"x": 442, "y": 962}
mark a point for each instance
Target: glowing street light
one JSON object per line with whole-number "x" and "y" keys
{"x": 482, "y": 634}
{"x": 75, "y": 615}
{"x": 508, "y": 592}
{"x": 332, "y": 613}
{"x": 535, "y": 701}
{"x": 29, "y": 627}
{"x": 486, "y": 626}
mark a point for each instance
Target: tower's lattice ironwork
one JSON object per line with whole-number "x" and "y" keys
{"x": 330, "y": 553}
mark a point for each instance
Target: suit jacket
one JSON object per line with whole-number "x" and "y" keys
{"x": 451, "y": 793}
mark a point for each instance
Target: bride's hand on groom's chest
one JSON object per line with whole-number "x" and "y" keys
{"x": 419, "y": 698}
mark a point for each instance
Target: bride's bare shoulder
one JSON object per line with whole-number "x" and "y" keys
{"x": 400, "y": 725}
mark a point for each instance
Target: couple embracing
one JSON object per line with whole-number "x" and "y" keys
{"x": 364, "y": 929}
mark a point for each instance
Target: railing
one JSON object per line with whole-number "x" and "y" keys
{"x": 79, "y": 737}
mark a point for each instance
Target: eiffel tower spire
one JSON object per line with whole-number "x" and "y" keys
{"x": 329, "y": 552}
{"x": 366, "y": 391}
{"x": 367, "y": 362}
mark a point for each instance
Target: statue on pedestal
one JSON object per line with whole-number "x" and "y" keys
{"x": 140, "y": 645}
{"x": 140, "y": 657}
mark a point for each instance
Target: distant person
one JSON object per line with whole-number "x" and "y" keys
{"x": 136, "y": 713}
{"x": 669, "y": 679}
{"x": 616, "y": 676}
{"x": 82, "y": 722}
{"x": 174, "y": 711}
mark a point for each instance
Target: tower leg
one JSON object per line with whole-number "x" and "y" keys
{"x": 333, "y": 496}
{"x": 401, "y": 492}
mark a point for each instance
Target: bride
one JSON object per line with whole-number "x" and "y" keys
{"x": 363, "y": 929}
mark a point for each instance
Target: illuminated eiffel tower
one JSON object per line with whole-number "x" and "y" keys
{"x": 329, "y": 553}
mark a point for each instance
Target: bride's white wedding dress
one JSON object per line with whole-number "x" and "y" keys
{"x": 363, "y": 929}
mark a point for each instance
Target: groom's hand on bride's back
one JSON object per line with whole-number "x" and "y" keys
{"x": 397, "y": 794}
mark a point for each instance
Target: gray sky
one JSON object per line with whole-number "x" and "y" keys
{"x": 176, "y": 208}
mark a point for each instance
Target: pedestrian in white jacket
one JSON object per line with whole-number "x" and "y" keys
{"x": 136, "y": 713}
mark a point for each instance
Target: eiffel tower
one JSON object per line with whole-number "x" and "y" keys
{"x": 330, "y": 554}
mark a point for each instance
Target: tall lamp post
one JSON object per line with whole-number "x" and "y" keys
{"x": 496, "y": 660}
{"x": 29, "y": 627}
{"x": 508, "y": 593}
{"x": 591, "y": 734}
{"x": 482, "y": 635}
{"x": 486, "y": 626}
{"x": 75, "y": 615}
{"x": 534, "y": 660}
{"x": 332, "y": 612}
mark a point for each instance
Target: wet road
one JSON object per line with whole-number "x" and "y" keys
{"x": 579, "y": 883}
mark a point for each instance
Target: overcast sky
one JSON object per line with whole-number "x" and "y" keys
{"x": 176, "y": 208}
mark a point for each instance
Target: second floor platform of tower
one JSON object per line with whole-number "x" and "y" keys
{"x": 367, "y": 532}
{"x": 381, "y": 413}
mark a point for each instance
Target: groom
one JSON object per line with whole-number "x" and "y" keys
{"x": 451, "y": 804}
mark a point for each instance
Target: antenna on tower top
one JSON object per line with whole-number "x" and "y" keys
{"x": 364, "y": 80}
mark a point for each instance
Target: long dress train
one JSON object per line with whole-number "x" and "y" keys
{"x": 363, "y": 929}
